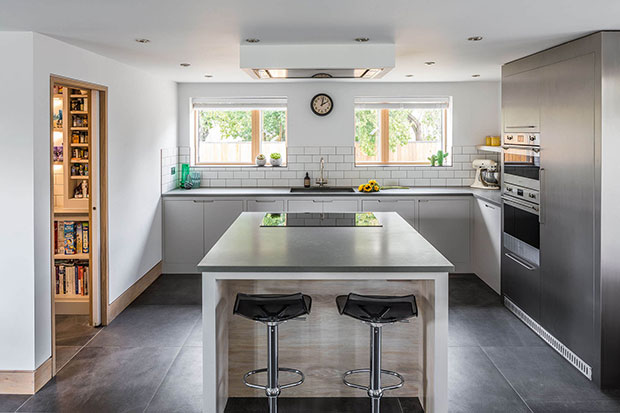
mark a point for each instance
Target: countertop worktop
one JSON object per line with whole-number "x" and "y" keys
{"x": 394, "y": 247}
{"x": 493, "y": 196}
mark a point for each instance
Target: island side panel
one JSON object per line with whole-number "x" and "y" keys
{"x": 216, "y": 318}
{"x": 326, "y": 344}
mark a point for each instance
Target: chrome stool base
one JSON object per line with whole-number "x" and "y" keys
{"x": 273, "y": 387}
{"x": 373, "y": 392}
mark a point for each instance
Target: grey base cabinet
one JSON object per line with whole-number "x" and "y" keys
{"x": 445, "y": 223}
{"x": 406, "y": 208}
{"x": 192, "y": 227}
{"x": 486, "y": 243}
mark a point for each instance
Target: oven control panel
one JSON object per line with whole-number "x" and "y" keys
{"x": 522, "y": 139}
{"x": 521, "y": 192}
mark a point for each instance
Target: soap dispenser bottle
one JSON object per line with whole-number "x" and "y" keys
{"x": 307, "y": 181}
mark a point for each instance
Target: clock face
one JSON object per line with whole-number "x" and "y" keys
{"x": 322, "y": 104}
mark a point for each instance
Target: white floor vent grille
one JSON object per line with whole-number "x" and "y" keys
{"x": 571, "y": 357}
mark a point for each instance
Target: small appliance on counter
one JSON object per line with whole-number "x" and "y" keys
{"x": 487, "y": 175}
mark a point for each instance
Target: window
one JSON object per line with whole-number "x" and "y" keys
{"x": 234, "y": 132}
{"x": 400, "y": 131}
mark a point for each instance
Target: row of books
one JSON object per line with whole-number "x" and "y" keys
{"x": 71, "y": 237}
{"x": 72, "y": 279}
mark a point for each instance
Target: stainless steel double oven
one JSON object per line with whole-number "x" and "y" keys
{"x": 521, "y": 220}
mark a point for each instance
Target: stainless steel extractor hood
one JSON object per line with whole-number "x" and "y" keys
{"x": 368, "y": 61}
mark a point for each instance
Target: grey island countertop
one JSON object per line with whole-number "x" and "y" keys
{"x": 394, "y": 247}
{"x": 492, "y": 196}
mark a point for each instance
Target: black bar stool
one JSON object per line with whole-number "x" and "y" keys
{"x": 376, "y": 311}
{"x": 272, "y": 310}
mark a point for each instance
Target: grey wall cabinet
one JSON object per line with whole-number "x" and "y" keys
{"x": 486, "y": 242}
{"x": 521, "y": 101}
{"x": 445, "y": 223}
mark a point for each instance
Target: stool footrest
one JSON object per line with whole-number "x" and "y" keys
{"x": 280, "y": 386}
{"x": 367, "y": 388}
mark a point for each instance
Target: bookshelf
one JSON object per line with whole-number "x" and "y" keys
{"x": 71, "y": 160}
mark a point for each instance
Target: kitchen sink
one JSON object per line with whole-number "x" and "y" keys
{"x": 330, "y": 189}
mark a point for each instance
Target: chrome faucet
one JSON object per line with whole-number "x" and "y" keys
{"x": 321, "y": 180}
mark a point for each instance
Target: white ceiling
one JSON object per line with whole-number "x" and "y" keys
{"x": 208, "y": 33}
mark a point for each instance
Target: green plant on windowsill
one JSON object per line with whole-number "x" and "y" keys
{"x": 438, "y": 158}
{"x": 275, "y": 159}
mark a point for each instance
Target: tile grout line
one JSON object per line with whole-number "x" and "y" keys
{"x": 81, "y": 348}
{"x": 162, "y": 379}
{"x": 506, "y": 378}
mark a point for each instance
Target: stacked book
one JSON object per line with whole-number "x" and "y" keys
{"x": 71, "y": 279}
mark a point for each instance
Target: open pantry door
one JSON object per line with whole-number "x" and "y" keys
{"x": 95, "y": 207}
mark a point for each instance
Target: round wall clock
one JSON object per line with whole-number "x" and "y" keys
{"x": 321, "y": 104}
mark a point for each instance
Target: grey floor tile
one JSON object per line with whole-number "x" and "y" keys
{"x": 195, "y": 337}
{"x": 467, "y": 290}
{"x": 476, "y": 386}
{"x": 149, "y": 326}
{"x": 590, "y": 406}
{"x": 410, "y": 405}
{"x": 539, "y": 373}
{"x": 173, "y": 289}
{"x": 105, "y": 380}
{"x": 73, "y": 330}
{"x": 10, "y": 402}
{"x": 493, "y": 326}
{"x": 64, "y": 354}
{"x": 181, "y": 390}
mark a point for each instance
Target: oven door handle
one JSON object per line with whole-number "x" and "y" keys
{"x": 519, "y": 261}
{"x": 535, "y": 209}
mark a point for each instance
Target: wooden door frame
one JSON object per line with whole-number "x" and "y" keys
{"x": 103, "y": 200}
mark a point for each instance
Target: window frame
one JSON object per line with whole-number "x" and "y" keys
{"x": 257, "y": 128}
{"x": 384, "y": 142}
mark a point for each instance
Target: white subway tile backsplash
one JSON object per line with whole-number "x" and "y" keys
{"x": 340, "y": 169}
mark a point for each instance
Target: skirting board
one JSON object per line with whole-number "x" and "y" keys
{"x": 118, "y": 305}
{"x": 25, "y": 381}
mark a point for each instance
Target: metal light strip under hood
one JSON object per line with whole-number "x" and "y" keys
{"x": 327, "y": 61}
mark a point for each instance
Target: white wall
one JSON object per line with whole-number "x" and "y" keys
{"x": 16, "y": 203}
{"x": 476, "y": 110}
{"x": 142, "y": 119}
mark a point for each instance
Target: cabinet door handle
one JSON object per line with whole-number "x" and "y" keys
{"x": 489, "y": 206}
{"x": 387, "y": 201}
{"x": 519, "y": 261}
{"x": 203, "y": 201}
{"x": 522, "y": 126}
{"x": 265, "y": 201}
{"x": 542, "y": 212}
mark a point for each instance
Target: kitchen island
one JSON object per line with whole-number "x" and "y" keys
{"x": 324, "y": 262}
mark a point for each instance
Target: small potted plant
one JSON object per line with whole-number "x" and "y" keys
{"x": 437, "y": 159}
{"x": 275, "y": 159}
{"x": 261, "y": 160}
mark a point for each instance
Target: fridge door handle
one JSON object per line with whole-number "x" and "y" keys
{"x": 519, "y": 261}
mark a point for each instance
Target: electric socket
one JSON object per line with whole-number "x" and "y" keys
{"x": 173, "y": 170}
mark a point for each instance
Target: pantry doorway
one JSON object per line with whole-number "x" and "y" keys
{"x": 79, "y": 220}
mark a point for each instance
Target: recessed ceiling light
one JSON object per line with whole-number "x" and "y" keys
{"x": 143, "y": 41}
{"x": 474, "y": 38}
{"x": 475, "y": 75}
{"x": 252, "y": 40}
{"x": 185, "y": 64}
{"x": 408, "y": 75}
{"x": 361, "y": 39}
{"x": 208, "y": 75}
{"x": 429, "y": 63}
